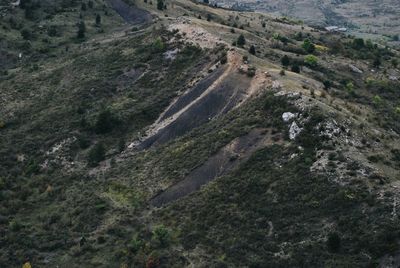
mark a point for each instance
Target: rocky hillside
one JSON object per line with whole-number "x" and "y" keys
{"x": 175, "y": 134}
{"x": 368, "y": 18}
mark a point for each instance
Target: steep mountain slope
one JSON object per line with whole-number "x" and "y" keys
{"x": 164, "y": 138}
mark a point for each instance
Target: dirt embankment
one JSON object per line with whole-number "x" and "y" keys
{"x": 200, "y": 110}
{"x": 229, "y": 157}
{"x": 130, "y": 14}
{"x": 217, "y": 94}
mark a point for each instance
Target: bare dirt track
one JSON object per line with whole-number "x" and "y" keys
{"x": 198, "y": 111}
{"x": 130, "y": 14}
{"x": 229, "y": 157}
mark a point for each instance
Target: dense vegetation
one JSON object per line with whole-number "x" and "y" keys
{"x": 78, "y": 86}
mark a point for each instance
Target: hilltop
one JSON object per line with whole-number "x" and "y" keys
{"x": 176, "y": 134}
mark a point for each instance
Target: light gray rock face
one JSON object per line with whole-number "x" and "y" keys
{"x": 288, "y": 116}
{"x": 354, "y": 69}
{"x": 171, "y": 54}
{"x": 294, "y": 130}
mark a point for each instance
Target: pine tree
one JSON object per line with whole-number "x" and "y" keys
{"x": 285, "y": 60}
{"x": 241, "y": 40}
{"x": 98, "y": 19}
{"x": 160, "y": 4}
{"x": 81, "y": 30}
{"x": 96, "y": 154}
{"x": 252, "y": 50}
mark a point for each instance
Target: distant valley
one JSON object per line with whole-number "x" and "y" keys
{"x": 368, "y": 18}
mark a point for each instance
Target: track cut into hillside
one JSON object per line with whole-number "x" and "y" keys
{"x": 228, "y": 158}
{"x": 218, "y": 93}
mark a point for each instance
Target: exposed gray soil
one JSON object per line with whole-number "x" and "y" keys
{"x": 229, "y": 157}
{"x": 218, "y": 101}
{"x": 194, "y": 93}
{"x": 130, "y": 14}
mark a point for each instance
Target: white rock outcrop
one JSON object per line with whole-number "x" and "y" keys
{"x": 287, "y": 116}
{"x": 354, "y": 69}
{"x": 294, "y": 130}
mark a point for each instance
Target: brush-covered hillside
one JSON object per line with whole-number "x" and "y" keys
{"x": 175, "y": 134}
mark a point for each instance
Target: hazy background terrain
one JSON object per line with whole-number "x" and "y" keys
{"x": 369, "y": 18}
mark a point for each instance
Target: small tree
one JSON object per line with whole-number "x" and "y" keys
{"x": 98, "y": 19}
{"x": 81, "y": 30}
{"x": 241, "y": 41}
{"x": 252, "y": 50}
{"x": 327, "y": 84}
{"x": 104, "y": 123}
{"x": 395, "y": 63}
{"x": 26, "y": 34}
{"x": 83, "y": 6}
{"x": 90, "y": 4}
{"x": 160, "y": 4}
{"x": 377, "y": 100}
{"x": 377, "y": 62}
{"x": 350, "y": 88}
{"x": 311, "y": 60}
{"x": 52, "y": 31}
{"x": 358, "y": 43}
{"x": 295, "y": 68}
{"x": 24, "y": 3}
{"x": 96, "y": 154}
{"x": 285, "y": 61}
{"x": 158, "y": 45}
{"x": 334, "y": 242}
{"x": 206, "y": 2}
{"x": 209, "y": 17}
{"x": 161, "y": 235}
{"x": 308, "y": 46}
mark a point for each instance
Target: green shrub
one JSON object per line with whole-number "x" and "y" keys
{"x": 105, "y": 122}
{"x": 158, "y": 46}
{"x": 96, "y": 154}
{"x": 333, "y": 242}
{"x": 358, "y": 43}
{"x": 251, "y": 71}
{"x": 377, "y": 100}
{"x": 285, "y": 60}
{"x": 26, "y": 34}
{"x": 14, "y": 225}
{"x": 161, "y": 235}
{"x": 136, "y": 244}
{"x": 308, "y": 46}
{"x": 311, "y": 60}
{"x": 350, "y": 87}
{"x": 295, "y": 68}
